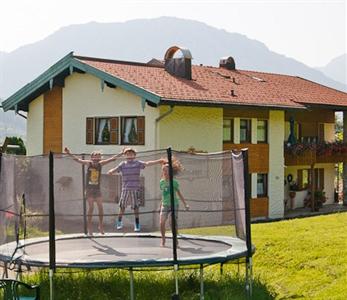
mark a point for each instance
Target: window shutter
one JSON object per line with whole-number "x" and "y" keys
{"x": 114, "y": 129}
{"x": 141, "y": 130}
{"x": 90, "y": 131}
{"x": 299, "y": 181}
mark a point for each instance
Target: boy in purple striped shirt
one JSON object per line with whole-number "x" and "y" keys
{"x": 130, "y": 195}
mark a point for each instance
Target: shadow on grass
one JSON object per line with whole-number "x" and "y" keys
{"x": 155, "y": 285}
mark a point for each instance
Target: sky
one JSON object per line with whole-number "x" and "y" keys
{"x": 311, "y": 31}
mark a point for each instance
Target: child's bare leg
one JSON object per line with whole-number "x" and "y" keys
{"x": 101, "y": 214}
{"x": 162, "y": 230}
{"x": 90, "y": 215}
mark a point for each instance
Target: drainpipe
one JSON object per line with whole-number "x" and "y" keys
{"x": 157, "y": 121}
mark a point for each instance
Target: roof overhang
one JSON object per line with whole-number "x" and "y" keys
{"x": 227, "y": 104}
{"x": 56, "y": 74}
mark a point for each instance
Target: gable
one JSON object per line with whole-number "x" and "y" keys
{"x": 55, "y": 76}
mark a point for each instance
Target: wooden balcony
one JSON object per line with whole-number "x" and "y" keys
{"x": 308, "y": 154}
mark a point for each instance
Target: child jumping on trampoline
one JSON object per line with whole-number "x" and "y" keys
{"x": 130, "y": 195}
{"x": 165, "y": 206}
{"x": 93, "y": 192}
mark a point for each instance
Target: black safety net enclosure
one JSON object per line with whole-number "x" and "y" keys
{"x": 92, "y": 211}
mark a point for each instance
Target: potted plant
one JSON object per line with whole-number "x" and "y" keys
{"x": 292, "y": 193}
{"x": 319, "y": 198}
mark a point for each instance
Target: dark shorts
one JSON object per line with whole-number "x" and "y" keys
{"x": 92, "y": 192}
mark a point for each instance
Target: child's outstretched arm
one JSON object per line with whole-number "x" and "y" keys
{"x": 154, "y": 162}
{"x": 75, "y": 158}
{"x": 111, "y": 171}
{"x": 115, "y": 169}
{"x": 186, "y": 206}
{"x": 114, "y": 157}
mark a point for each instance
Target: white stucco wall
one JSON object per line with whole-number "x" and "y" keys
{"x": 83, "y": 97}
{"x": 276, "y": 163}
{"x": 198, "y": 127}
{"x": 329, "y": 181}
{"x": 34, "y": 140}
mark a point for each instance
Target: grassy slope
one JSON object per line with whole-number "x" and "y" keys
{"x": 296, "y": 259}
{"x": 303, "y": 258}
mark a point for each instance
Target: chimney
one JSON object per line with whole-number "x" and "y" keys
{"x": 227, "y": 62}
{"x": 179, "y": 66}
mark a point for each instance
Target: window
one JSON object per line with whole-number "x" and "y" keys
{"x": 262, "y": 131}
{"x": 261, "y": 185}
{"x": 305, "y": 178}
{"x": 319, "y": 179}
{"x": 133, "y": 131}
{"x": 228, "y": 130}
{"x": 102, "y": 131}
{"x": 105, "y": 130}
{"x": 245, "y": 131}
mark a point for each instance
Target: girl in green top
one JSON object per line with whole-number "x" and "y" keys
{"x": 165, "y": 207}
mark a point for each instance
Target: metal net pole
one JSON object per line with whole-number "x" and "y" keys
{"x": 52, "y": 252}
{"x": 173, "y": 220}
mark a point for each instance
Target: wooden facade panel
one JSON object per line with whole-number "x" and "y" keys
{"x": 52, "y": 124}
{"x": 314, "y": 116}
{"x": 306, "y": 158}
{"x": 258, "y": 156}
{"x": 309, "y": 129}
{"x": 249, "y": 113}
{"x": 260, "y": 207}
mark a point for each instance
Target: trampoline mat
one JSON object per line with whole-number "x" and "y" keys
{"x": 114, "y": 250}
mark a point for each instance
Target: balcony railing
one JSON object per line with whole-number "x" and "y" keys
{"x": 310, "y": 153}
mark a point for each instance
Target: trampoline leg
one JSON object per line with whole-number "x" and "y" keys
{"x": 249, "y": 278}
{"x": 221, "y": 269}
{"x": 131, "y": 284}
{"x": 175, "y": 296}
{"x": 51, "y": 294}
{"x": 202, "y": 282}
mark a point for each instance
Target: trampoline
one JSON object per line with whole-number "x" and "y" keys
{"x": 44, "y": 215}
{"x": 123, "y": 251}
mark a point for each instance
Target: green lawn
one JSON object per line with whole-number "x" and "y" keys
{"x": 296, "y": 259}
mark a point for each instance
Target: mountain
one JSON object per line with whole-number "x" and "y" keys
{"x": 336, "y": 69}
{"x": 143, "y": 39}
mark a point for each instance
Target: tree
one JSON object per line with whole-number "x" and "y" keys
{"x": 13, "y": 140}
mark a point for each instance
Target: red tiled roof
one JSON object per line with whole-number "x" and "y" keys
{"x": 212, "y": 85}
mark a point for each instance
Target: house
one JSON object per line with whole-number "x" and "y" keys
{"x": 91, "y": 103}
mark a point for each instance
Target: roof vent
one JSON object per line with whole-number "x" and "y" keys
{"x": 227, "y": 62}
{"x": 179, "y": 65}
